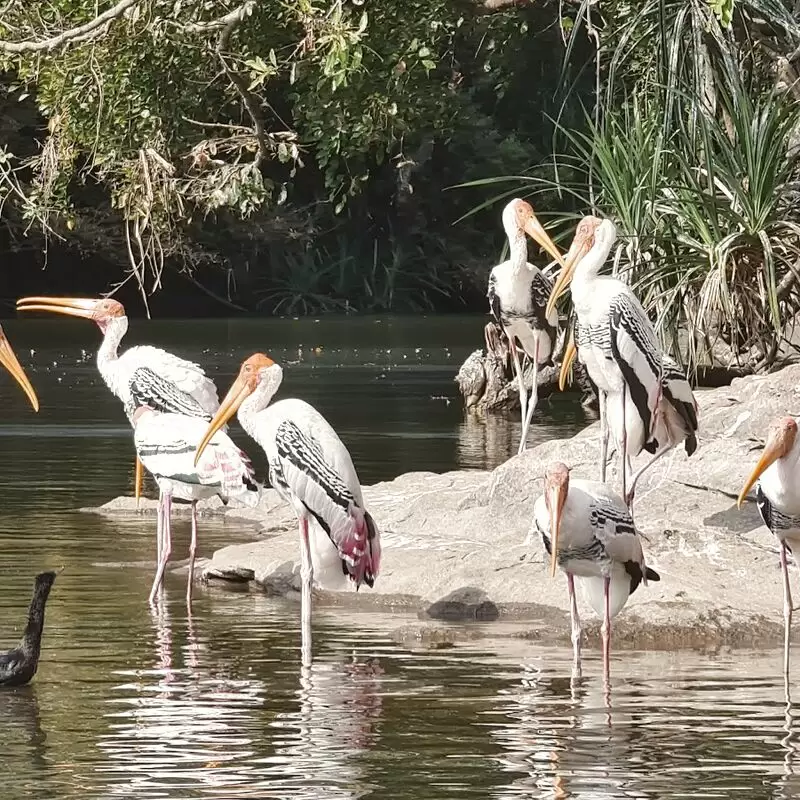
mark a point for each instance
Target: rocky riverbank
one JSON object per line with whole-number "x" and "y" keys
{"x": 456, "y": 545}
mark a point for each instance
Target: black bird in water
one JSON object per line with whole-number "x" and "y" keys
{"x": 19, "y": 665}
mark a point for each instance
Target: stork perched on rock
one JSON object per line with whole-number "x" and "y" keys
{"x": 645, "y": 399}
{"x": 518, "y": 293}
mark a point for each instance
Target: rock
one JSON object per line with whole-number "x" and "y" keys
{"x": 455, "y": 545}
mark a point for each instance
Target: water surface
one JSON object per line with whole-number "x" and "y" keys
{"x": 136, "y": 703}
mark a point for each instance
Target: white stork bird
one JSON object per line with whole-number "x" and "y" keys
{"x": 166, "y": 442}
{"x": 311, "y": 469}
{"x": 645, "y": 399}
{"x": 9, "y": 360}
{"x": 778, "y": 501}
{"x": 587, "y": 530}
{"x": 518, "y": 293}
{"x": 117, "y": 370}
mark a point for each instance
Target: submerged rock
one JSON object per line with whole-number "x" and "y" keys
{"x": 454, "y": 545}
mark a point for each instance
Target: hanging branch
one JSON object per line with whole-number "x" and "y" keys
{"x": 79, "y": 34}
{"x": 250, "y": 101}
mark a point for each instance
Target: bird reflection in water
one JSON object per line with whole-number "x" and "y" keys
{"x": 23, "y": 735}
{"x": 789, "y": 783}
{"x": 181, "y": 725}
{"x": 551, "y": 725}
{"x": 317, "y": 746}
{"x": 486, "y": 440}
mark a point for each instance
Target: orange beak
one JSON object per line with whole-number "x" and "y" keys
{"x": 566, "y": 362}
{"x": 580, "y": 246}
{"x": 775, "y": 448}
{"x": 240, "y": 390}
{"x": 10, "y": 362}
{"x": 71, "y": 306}
{"x": 557, "y": 499}
{"x": 535, "y": 230}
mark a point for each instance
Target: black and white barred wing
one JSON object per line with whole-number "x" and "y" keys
{"x": 637, "y": 353}
{"x": 148, "y": 388}
{"x": 300, "y": 470}
{"x": 612, "y": 525}
{"x": 166, "y": 444}
{"x": 185, "y": 375}
{"x": 494, "y": 300}
{"x": 678, "y": 393}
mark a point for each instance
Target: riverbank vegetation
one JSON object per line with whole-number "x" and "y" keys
{"x": 300, "y": 156}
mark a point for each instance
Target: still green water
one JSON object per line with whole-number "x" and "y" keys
{"x": 141, "y": 704}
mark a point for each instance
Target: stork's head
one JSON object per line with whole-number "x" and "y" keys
{"x": 556, "y": 488}
{"x": 780, "y": 442}
{"x": 10, "y": 362}
{"x": 518, "y": 217}
{"x": 100, "y": 310}
{"x": 583, "y": 241}
{"x": 259, "y": 372}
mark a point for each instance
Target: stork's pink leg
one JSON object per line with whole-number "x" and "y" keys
{"x": 636, "y": 475}
{"x": 166, "y": 545}
{"x": 606, "y": 630}
{"x": 602, "y": 400}
{"x": 624, "y": 453}
{"x": 576, "y": 627}
{"x": 523, "y": 392}
{"x": 306, "y": 577}
{"x": 787, "y": 608}
{"x": 532, "y": 400}
{"x": 192, "y": 551}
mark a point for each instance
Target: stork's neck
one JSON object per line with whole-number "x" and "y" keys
{"x": 588, "y": 270}
{"x": 517, "y": 251}
{"x": 780, "y": 481}
{"x": 258, "y": 401}
{"x": 107, "y": 354}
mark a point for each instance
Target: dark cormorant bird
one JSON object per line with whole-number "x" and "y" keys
{"x": 19, "y": 665}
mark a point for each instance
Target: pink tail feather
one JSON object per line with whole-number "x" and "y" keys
{"x": 359, "y": 544}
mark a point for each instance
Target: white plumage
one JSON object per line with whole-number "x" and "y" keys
{"x": 518, "y": 292}
{"x": 311, "y": 469}
{"x": 645, "y": 400}
{"x": 588, "y": 530}
{"x": 778, "y": 500}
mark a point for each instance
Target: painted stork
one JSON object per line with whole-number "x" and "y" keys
{"x": 9, "y": 360}
{"x": 587, "y": 529}
{"x": 518, "y": 293}
{"x": 117, "y": 370}
{"x": 778, "y": 501}
{"x": 165, "y": 444}
{"x": 311, "y": 469}
{"x": 645, "y": 399}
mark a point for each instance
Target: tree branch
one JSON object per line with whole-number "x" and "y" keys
{"x": 231, "y": 18}
{"x": 81, "y": 33}
{"x": 251, "y": 103}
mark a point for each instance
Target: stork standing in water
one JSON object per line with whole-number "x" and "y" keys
{"x": 645, "y": 399}
{"x": 165, "y": 445}
{"x": 518, "y": 293}
{"x": 311, "y": 469}
{"x": 587, "y": 530}
{"x": 778, "y": 501}
{"x": 9, "y": 360}
{"x": 117, "y": 370}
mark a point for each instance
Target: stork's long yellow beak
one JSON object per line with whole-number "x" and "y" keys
{"x": 580, "y": 246}
{"x": 83, "y": 307}
{"x": 535, "y": 230}
{"x": 773, "y": 450}
{"x": 570, "y": 351}
{"x": 557, "y": 500}
{"x": 9, "y": 360}
{"x": 240, "y": 390}
{"x": 138, "y": 480}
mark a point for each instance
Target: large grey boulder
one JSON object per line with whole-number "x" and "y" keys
{"x": 457, "y": 545}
